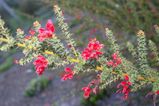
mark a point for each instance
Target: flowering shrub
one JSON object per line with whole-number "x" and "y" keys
{"x": 48, "y": 51}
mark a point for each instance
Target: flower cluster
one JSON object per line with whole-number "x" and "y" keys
{"x": 125, "y": 87}
{"x": 47, "y": 32}
{"x": 91, "y": 87}
{"x": 68, "y": 75}
{"x": 43, "y": 33}
{"x": 40, "y": 64}
{"x": 116, "y": 60}
{"x": 93, "y": 50}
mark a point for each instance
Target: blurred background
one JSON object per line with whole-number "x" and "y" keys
{"x": 20, "y": 86}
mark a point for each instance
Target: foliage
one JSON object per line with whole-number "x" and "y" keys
{"x": 129, "y": 15}
{"x": 6, "y": 65}
{"x": 36, "y": 86}
{"x": 110, "y": 65}
{"x": 15, "y": 12}
{"x": 94, "y": 98}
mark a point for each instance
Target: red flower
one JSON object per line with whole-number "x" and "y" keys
{"x": 87, "y": 90}
{"x": 40, "y": 64}
{"x": 125, "y": 87}
{"x": 91, "y": 87}
{"x": 40, "y": 69}
{"x": 95, "y": 45}
{"x": 115, "y": 62}
{"x": 68, "y": 75}
{"x": 31, "y": 32}
{"x": 93, "y": 50}
{"x": 110, "y": 63}
{"x": 50, "y": 26}
{"x": 47, "y": 32}
{"x": 157, "y": 92}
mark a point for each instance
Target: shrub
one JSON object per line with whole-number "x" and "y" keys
{"x": 36, "y": 86}
{"x": 128, "y": 15}
{"x": 6, "y": 65}
{"x": 110, "y": 65}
